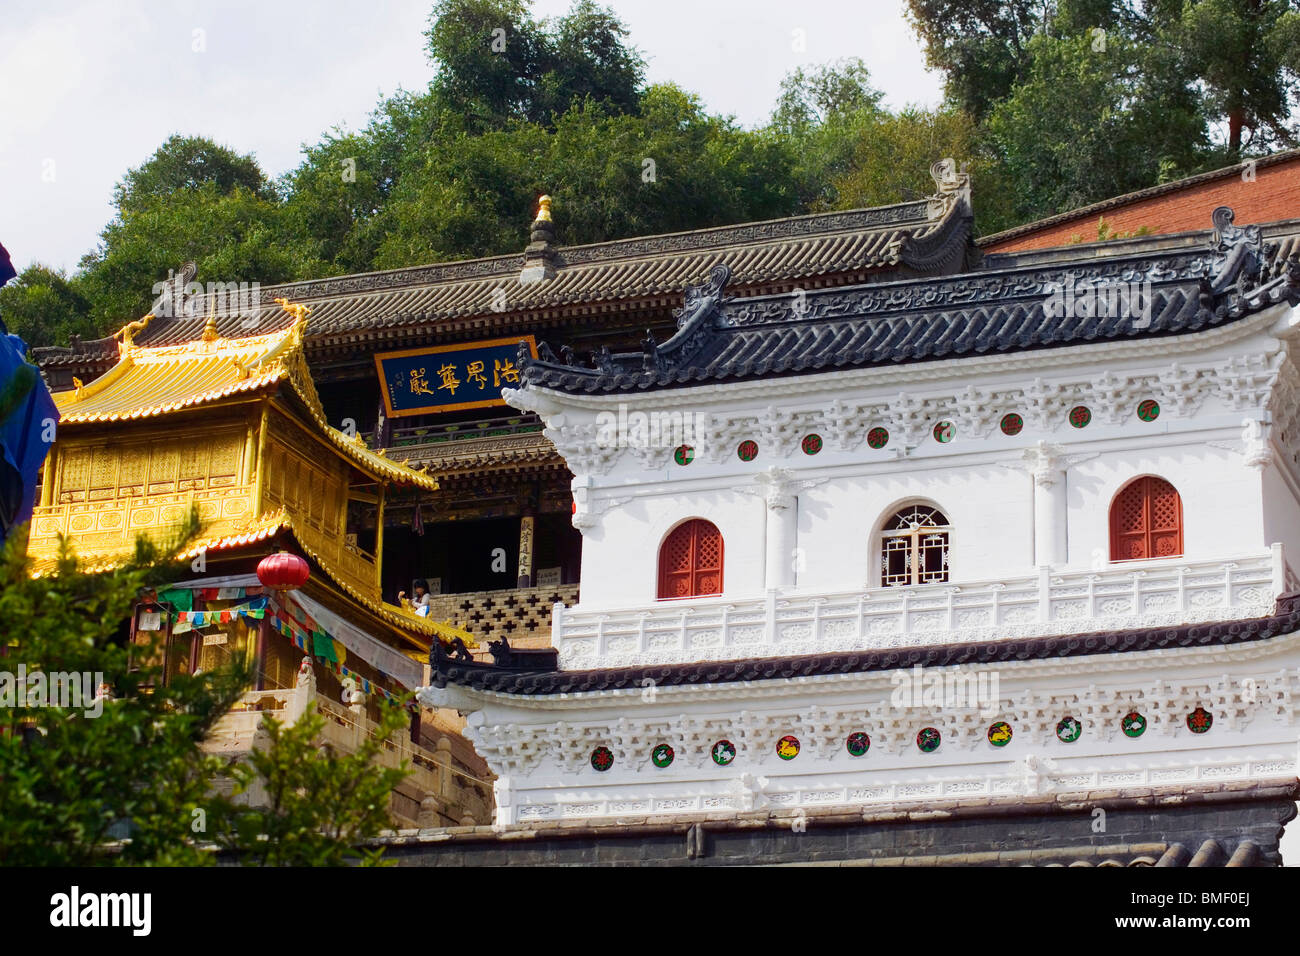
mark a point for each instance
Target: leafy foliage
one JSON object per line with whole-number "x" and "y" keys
{"x": 125, "y": 781}
{"x": 1049, "y": 105}
{"x": 42, "y": 306}
{"x": 320, "y": 804}
{"x": 71, "y": 782}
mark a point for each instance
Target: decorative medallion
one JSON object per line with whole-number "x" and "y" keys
{"x": 724, "y": 751}
{"x": 877, "y": 438}
{"x": 748, "y": 450}
{"x": 1134, "y": 724}
{"x": 1200, "y": 720}
{"x": 1000, "y": 733}
{"x": 943, "y": 432}
{"x": 811, "y": 444}
{"x": 857, "y": 744}
{"x": 1149, "y": 410}
{"x": 1068, "y": 730}
{"x": 662, "y": 755}
{"x": 1011, "y": 424}
{"x": 684, "y": 455}
{"x": 927, "y": 738}
{"x": 602, "y": 758}
{"x": 1080, "y": 415}
{"x": 787, "y": 748}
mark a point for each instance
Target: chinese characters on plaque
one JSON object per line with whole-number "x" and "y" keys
{"x": 450, "y": 377}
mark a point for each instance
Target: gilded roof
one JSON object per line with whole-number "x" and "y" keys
{"x": 261, "y": 529}
{"x": 148, "y": 381}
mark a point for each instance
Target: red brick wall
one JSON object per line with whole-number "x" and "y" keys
{"x": 1274, "y": 195}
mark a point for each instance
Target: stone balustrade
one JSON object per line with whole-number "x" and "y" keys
{"x": 788, "y": 621}
{"x": 434, "y": 792}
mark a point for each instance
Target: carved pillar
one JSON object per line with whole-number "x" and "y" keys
{"x": 1049, "y": 512}
{"x": 526, "y": 526}
{"x": 778, "y": 492}
{"x": 1046, "y": 465}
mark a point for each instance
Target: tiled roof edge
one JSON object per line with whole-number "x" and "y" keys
{"x": 1284, "y": 620}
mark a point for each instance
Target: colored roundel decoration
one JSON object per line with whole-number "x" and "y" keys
{"x": 662, "y": 755}
{"x": 602, "y": 758}
{"x": 811, "y": 444}
{"x": 877, "y": 438}
{"x": 857, "y": 744}
{"x": 1000, "y": 733}
{"x": 1068, "y": 730}
{"x": 1149, "y": 410}
{"x": 787, "y": 748}
{"x": 927, "y": 739}
{"x": 1133, "y": 724}
{"x": 1200, "y": 720}
{"x": 1080, "y": 415}
{"x": 724, "y": 751}
{"x": 684, "y": 455}
{"x": 943, "y": 432}
{"x": 747, "y": 450}
{"x": 1011, "y": 424}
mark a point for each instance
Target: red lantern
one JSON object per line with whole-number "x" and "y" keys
{"x": 283, "y": 571}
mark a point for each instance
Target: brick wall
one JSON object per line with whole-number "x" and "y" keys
{"x": 1274, "y": 195}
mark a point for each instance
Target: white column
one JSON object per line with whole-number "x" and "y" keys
{"x": 782, "y": 527}
{"x": 1047, "y": 465}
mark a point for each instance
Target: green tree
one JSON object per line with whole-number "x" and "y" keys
{"x": 671, "y": 166}
{"x": 189, "y": 163}
{"x": 42, "y": 306}
{"x": 495, "y": 63}
{"x": 1086, "y": 124}
{"x": 71, "y": 780}
{"x": 320, "y": 804}
{"x": 125, "y": 781}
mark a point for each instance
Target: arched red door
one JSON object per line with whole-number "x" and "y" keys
{"x": 1146, "y": 521}
{"x": 690, "y": 561}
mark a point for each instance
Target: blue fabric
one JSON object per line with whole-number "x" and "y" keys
{"x": 7, "y": 270}
{"x": 22, "y": 445}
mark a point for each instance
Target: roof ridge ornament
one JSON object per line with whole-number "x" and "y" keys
{"x": 952, "y": 188}
{"x": 1238, "y": 252}
{"x": 540, "y": 258}
{"x": 128, "y": 332}
{"x": 173, "y": 291}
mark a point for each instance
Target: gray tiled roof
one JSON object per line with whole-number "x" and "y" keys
{"x": 930, "y": 237}
{"x": 1235, "y": 274}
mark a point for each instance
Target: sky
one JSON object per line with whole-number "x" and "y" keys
{"x": 90, "y": 89}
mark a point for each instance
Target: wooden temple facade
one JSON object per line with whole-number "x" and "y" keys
{"x": 232, "y": 428}
{"x": 411, "y": 361}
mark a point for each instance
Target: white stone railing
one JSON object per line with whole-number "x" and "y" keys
{"x": 1132, "y": 594}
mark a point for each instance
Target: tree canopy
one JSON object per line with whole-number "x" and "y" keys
{"x": 1049, "y": 105}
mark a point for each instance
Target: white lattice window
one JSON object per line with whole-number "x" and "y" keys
{"x": 914, "y": 547}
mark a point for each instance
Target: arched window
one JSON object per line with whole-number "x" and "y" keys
{"x": 914, "y": 547}
{"x": 1146, "y": 521}
{"x": 690, "y": 561}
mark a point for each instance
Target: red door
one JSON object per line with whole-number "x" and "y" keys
{"x": 1146, "y": 521}
{"x": 690, "y": 561}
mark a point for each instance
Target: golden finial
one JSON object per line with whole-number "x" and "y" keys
{"x": 76, "y": 383}
{"x": 543, "y": 209}
{"x": 210, "y": 329}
